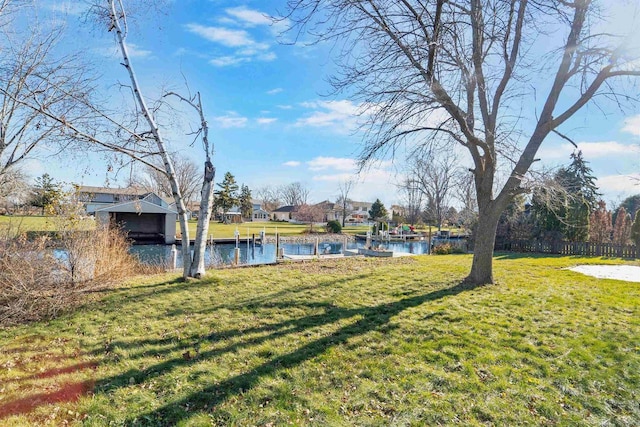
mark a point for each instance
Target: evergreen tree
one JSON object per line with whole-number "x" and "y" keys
{"x": 46, "y": 192}
{"x": 621, "y": 227}
{"x": 548, "y": 210}
{"x": 631, "y": 204}
{"x": 635, "y": 229}
{"x": 578, "y": 181}
{"x": 246, "y": 207}
{"x": 227, "y": 196}
{"x": 571, "y": 199}
{"x": 600, "y": 221}
{"x": 378, "y": 212}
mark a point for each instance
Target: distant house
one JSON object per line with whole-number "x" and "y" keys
{"x": 359, "y": 212}
{"x": 144, "y": 216}
{"x": 284, "y": 213}
{"x": 233, "y": 215}
{"x": 329, "y": 210}
{"x": 258, "y": 213}
{"x": 95, "y": 198}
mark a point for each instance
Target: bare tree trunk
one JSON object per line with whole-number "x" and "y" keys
{"x": 484, "y": 240}
{"x": 197, "y": 269}
{"x": 118, "y": 22}
{"x": 206, "y": 202}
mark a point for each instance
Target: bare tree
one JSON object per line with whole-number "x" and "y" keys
{"x": 29, "y": 69}
{"x": 14, "y": 189}
{"x": 412, "y": 200}
{"x": 344, "y": 202}
{"x": 464, "y": 192}
{"x": 188, "y": 175}
{"x": 308, "y": 214}
{"x": 269, "y": 198}
{"x": 460, "y": 69}
{"x": 140, "y": 138}
{"x": 197, "y": 268}
{"x": 294, "y": 194}
{"x": 434, "y": 178}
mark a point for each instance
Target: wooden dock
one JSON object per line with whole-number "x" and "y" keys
{"x": 393, "y": 237}
{"x": 226, "y": 240}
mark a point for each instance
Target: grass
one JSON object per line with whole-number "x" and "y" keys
{"x": 283, "y": 228}
{"x": 29, "y": 223}
{"x": 348, "y": 342}
{"x": 48, "y": 223}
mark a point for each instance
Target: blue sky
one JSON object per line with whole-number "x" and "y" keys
{"x": 269, "y": 116}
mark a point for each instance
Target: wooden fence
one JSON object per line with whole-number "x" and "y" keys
{"x": 574, "y": 248}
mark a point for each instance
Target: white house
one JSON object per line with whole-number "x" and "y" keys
{"x": 283, "y": 213}
{"x": 358, "y": 212}
{"x": 329, "y": 210}
{"x": 259, "y": 214}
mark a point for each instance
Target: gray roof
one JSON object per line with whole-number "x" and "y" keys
{"x": 136, "y": 206}
{"x": 133, "y": 191}
{"x": 288, "y": 208}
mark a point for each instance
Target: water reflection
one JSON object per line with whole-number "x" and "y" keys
{"x": 223, "y": 254}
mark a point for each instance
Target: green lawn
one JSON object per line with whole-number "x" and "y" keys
{"x": 48, "y": 223}
{"x": 283, "y": 228}
{"x": 28, "y": 223}
{"x": 342, "y": 343}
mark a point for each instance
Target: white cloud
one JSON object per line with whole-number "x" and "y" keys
{"x": 292, "y": 163}
{"x": 285, "y": 107}
{"x": 620, "y": 183}
{"x": 252, "y": 18}
{"x": 248, "y": 48}
{"x": 231, "y": 120}
{"x": 225, "y": 61}
{"x": 376, "y": 181}
{"x": 224, "y": 36}
{"x": 336, "y": 163}
{"x": 274, "y": 91}
{"x": 267, "y": 57}
{"x": 74, "y": 8}
{"x": 338, "y": 177}
{"x": 248, "y": 16}
{"x": 632, "y": 125}
{"x": 136, "y": 52}
{"x": 266, "y": 120}
{"x": 339, "y": 115}
{"x": 591, "y": 150}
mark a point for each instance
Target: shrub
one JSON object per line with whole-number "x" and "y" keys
{"x": 37, "y": 283}
{"x": 443, "y": 249}
{"x": 334, "y": 227}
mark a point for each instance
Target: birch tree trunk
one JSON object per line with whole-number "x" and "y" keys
{"x": 206, "y": 203}
{"x": 119, "y": 24}
{"x": 206, "y": 200}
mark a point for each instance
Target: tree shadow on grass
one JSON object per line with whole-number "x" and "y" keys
{"x": 370, "y": 319}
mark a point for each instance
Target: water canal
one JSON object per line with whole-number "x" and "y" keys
{"x": 223, "y": 254}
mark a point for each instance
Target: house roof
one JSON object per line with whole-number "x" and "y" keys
{"x": 260, "y": 211}
{"x": 136, "y": 206}
{"x": 326, "y": 205}
{"x": 283, "y": 209}
{"x": 361, "y": 204}
{"x": 133, "y": 191}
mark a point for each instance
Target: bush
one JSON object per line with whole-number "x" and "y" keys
{"x": 334, "y": 227}
{"x": 443, "y": 249}
{"x": 36, "y": 283}
{"x": 446, "y": 249}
